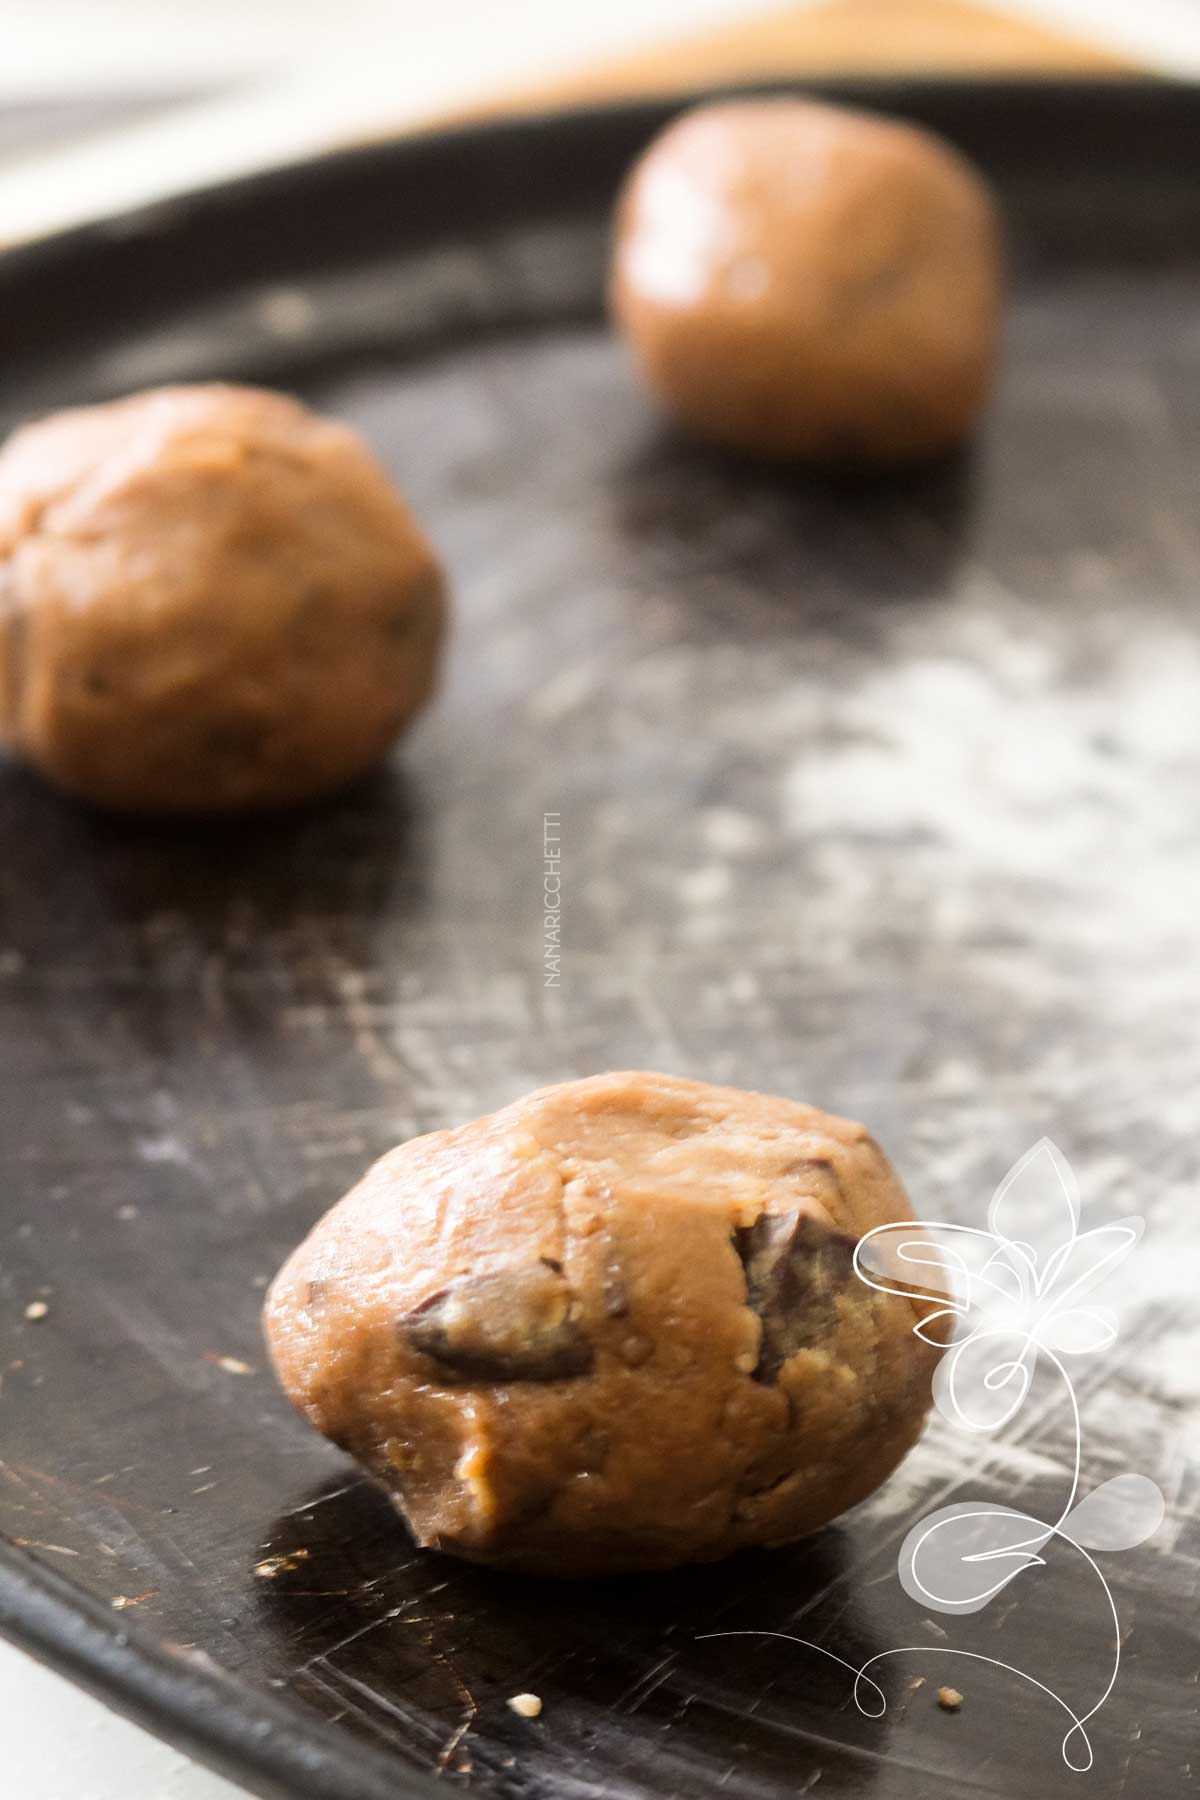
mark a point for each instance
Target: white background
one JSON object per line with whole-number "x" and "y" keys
{"x": 301, "y": 74}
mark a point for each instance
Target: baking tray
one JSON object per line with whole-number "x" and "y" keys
{"x": 879, "y": 793}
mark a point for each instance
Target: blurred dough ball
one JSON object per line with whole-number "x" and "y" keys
{"x": 210, "y": 600}
{"x": 799, "y": 280}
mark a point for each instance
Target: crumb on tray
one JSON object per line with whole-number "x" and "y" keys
{"x": 284, "y": 1562}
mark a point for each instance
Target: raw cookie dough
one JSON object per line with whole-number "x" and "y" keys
{"x": 612, "y": 1326}
{"x": 210, "y": 599}
{"x": 799, "y": 280}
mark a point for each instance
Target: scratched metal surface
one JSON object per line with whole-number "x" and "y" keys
{"x": 880, "y": 795}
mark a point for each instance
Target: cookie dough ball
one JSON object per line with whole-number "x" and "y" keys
{"x": 614, "y": 1326}
{"x": 799, "y": 280}
{"x": 210, "y": 600}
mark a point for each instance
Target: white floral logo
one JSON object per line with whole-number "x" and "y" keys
{"x": 1001, "y": 1300}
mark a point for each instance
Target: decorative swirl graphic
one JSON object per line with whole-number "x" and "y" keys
{"x": 1000, "y": 1300}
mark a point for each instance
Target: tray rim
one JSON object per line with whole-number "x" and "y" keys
{"x": 272, "y": 1746}
{"x": 893, "y": 92}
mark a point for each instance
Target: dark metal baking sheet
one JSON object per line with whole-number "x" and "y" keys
{"x": 883, "y": 794}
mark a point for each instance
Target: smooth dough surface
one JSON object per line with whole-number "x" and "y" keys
{"x": 801, "y": 280}
{"x": 211, "y": 599}
{"x": 613, "y": 1326}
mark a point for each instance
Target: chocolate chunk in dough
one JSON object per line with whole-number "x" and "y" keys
{"x": 795, "y": 1270}
{"x": 613, "y": 1326}
{"x": 512, "y": 1325}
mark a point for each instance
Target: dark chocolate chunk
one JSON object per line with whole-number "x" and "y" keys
{"x": 795, "y": 1269}
{"x": 516, "y": 1324}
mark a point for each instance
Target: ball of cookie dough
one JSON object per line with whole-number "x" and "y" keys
{"x": 799, "y": 280}
{"x": 210, "y": 599}
{"x": 614, "y": 1326}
